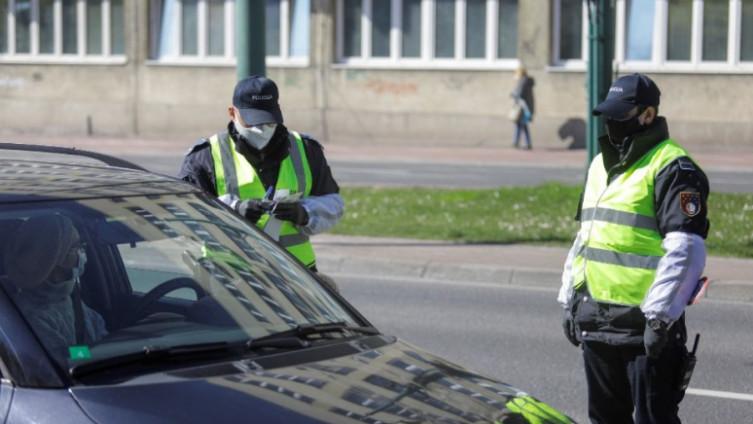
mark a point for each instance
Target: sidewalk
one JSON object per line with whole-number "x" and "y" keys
{"x": 514, "y": 265}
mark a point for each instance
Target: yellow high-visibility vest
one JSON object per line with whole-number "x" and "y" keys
{"x": 621, "y": 242}
{"x": 235, "y": 175}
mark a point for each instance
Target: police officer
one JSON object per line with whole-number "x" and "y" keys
{"x": 276, "y": 178}
{"x": 636, "y": 261}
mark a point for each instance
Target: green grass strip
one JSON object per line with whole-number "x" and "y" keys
{"x": 540, "y": 215}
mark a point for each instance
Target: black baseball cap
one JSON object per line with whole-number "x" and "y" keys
{"x": 626, "y": 93}
{"x": 256, "y": 97}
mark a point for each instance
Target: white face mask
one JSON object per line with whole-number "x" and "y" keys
{"x": 258, "y": 136}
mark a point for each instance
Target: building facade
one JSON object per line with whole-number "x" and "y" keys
{"x": 417, "y": 72}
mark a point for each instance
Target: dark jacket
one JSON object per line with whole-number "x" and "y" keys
{"x": 524, "y": 91}
{"x": 198, "y": 166}
{"x": 616, "y": 324}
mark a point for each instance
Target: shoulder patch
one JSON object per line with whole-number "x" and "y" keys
{"x": 686, "y": 164}
{"x": 200, "y": 144}
{"x": 690, "y": 203}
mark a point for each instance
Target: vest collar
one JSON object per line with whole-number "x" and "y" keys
{"x": 617, "y": 161}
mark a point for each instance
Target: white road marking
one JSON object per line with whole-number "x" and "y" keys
{"x": 720, "y": 394}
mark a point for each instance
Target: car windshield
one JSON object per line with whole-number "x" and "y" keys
{"x": 104, "y": 278}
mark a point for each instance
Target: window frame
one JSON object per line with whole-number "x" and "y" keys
{"x": 202, "y": 58}
{"x": 81, "y": 57}
{"x": 659, "y": 62}
{"x": 426, "y": 59}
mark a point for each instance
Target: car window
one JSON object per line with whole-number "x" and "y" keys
{"x": 149, "y": 263}
{"x": 103, "y": 278}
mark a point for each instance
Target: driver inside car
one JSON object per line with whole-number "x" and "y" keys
{"x": 44, "y": 259}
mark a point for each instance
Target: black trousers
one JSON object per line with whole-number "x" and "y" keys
{"x": 623, "y": 381}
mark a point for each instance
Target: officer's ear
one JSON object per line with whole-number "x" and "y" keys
{"x": 231, "y": 112}
{"x": 648, "y": 116}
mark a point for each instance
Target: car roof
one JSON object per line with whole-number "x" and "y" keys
{"x": 34, "y": 173}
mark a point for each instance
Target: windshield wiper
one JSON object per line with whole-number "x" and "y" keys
{"x": 304, "y": 331}
{"x": 292, "y": 339}
{"x": 150, "y": 355}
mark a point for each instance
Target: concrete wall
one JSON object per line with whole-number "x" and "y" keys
{"x": 359, "y": 106}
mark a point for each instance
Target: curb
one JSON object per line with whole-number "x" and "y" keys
{"x": 728, "y": 290}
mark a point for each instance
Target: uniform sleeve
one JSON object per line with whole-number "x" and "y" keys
{"x": 566, "y": 289}
{"x": 323, "y": 181}
{"x": 677, "y": 276}
{"x": 324, "y": 212}
{"x": 680, "y": 194}
{"x": 198, "y": 168}
{"x": 324, "y": 205}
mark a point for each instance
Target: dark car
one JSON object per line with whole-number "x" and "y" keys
{"x": 131, "y": 297}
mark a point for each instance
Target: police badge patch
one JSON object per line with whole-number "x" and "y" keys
{"x": 690, "y": 203}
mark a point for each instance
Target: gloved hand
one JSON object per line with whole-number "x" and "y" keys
{"x": 568, "y": 325}
{"x": 293, "y": 212}
{"x": 252, "y": 209}
{"x": 655, "y": 337}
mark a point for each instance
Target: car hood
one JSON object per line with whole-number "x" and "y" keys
{"x": 394, "y": 383}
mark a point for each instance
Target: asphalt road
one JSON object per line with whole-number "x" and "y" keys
{"x": 457, "y": 175}
{"x": 514, "y": 335}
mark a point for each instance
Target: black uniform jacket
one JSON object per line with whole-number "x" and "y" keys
{"x": 198, "y": 165}
{"x": 678, "y": 182}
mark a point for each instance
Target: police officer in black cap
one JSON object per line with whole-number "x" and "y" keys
{"x": 636, "y": 262}
{"x": 276, "y": 178}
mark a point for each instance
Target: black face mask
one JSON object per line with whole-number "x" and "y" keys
{"x": 620, "y": 131}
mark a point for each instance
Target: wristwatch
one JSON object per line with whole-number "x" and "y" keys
{"x": 657, "y": 324}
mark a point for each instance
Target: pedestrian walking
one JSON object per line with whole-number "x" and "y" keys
{"x": 522, "y": 108}
{"x": 636, "y": 262}
{"x": 276, "y": 178}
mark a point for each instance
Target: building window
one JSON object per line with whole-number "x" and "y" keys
{"x": 352, "y": 27}
{"x": 679, "y": 29}
{"x": 200, "y": 32}
{"x": 715, "y": 29}
{"x": 507, "y": 40}
{"x": 664, "y": 35}
{"x": 445, "y": 29}
{"x": 427, "y": 33}
{"x": 411, "y": 28}
{"x": 570, "y": 31}
{"x": 746, "y": 36}
{"x": 62, "y": 31}
{"x": 381, "y": 24}
{"x": 639, "y": 29}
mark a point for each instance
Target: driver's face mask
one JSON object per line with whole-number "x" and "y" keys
{"x": 257, "y": 136}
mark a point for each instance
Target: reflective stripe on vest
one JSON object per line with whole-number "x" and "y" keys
{"x": 621, "y": 239}
{"x": 235, "y": 176}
